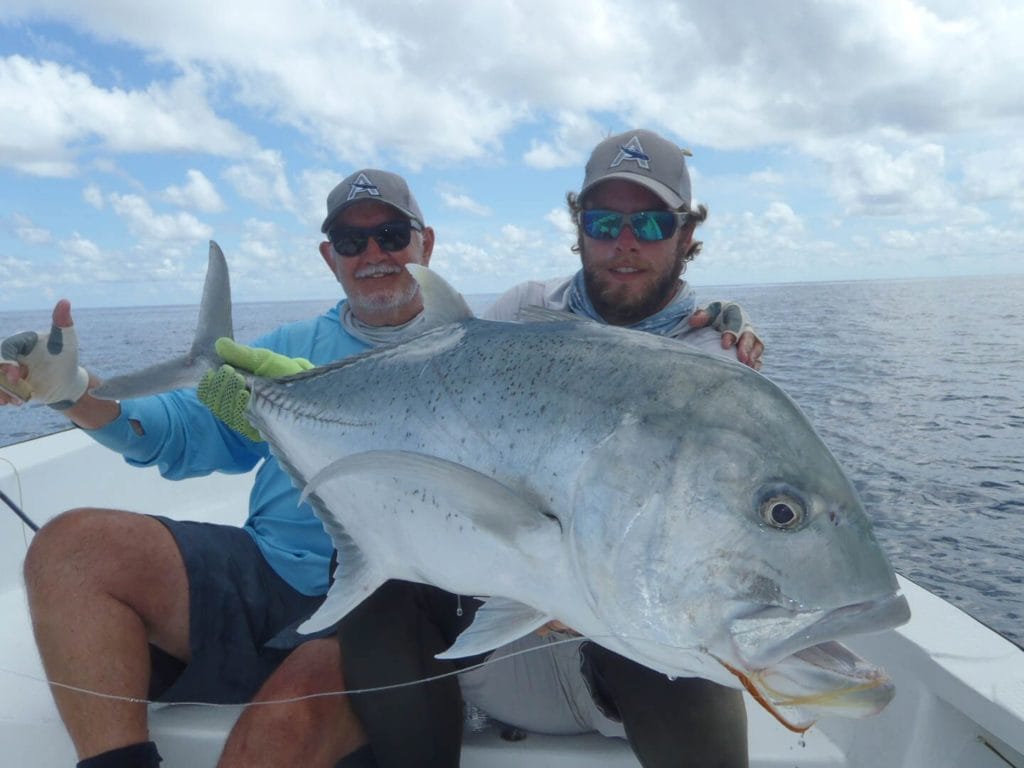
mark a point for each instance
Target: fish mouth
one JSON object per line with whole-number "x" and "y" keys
{"x": 825, "y": 679}
{"x": 767, "y": 634}
{"x": 806, "y": 674}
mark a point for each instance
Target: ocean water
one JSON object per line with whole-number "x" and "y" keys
{"x": 916, "y": 386}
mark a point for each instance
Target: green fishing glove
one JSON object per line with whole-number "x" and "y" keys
{"x": 54, "y": 375}
{"x": 224, "y": 391}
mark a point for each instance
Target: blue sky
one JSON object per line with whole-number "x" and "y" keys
{"x": 849, "y": 139}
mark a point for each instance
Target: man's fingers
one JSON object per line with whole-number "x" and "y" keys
{"x": 239, "y": 355}
{"x": 13, "y": 372}
{"x": 728, "y": 339}
{"x": 62, "y": 314}
{"x": 20, "y": 345}
{"x": 555, "y": 626}
{"x": 699, "y": 319}
{"x": 750, "y": 350}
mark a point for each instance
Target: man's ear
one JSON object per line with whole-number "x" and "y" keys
{"x": 686, "y": 231}
{"x": 328, "y": 256}
{"x": 428, "y": 244}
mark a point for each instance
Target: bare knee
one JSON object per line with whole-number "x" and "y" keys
{"x": 313, "y": 667}
{"x": 59, "y": 543}
{"x": 308, "y": 729}
{"x": 98, "y": 550}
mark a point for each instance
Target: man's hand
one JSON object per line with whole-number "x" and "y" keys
{"x": 225, "y": 392}
{"x": 260, "y": 362}
{"x": 43, "y": 365}
{"x": 728, "y": 318}
{"x": 557, "y": 627}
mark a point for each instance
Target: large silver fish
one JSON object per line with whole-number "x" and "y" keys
{"x": 675, "y": 507}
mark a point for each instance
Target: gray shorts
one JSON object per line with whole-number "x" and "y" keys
{"x": 242, "y": 618}
{"x": 541, "y": 689}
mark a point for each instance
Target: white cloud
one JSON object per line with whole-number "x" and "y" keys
{"x": 52, "y": 113}
{"x": 85, "y": 262}
{"x": 80, "y": 248}
{"x": 560, "y": 219}
{"x": 93, "y": 196}
{"x": 262, "y": 179}
{"x": 198, "y": 192}
{"x": 18, "y": 276}
{"x": 782, "y": 216}
{"x": 852, "y": 110}
{"x": 446, "y": 80}
{"x": 150, "y": 226}
{"x": 463, "y": 202}
{"x": 767, "y": 177}
{"x": 314, "y": 187}
{"x": 574, "y": 136}
{"x": 28, "y": 232}
{"x": 869, "y": 179}
{"x": 996, "y": 174}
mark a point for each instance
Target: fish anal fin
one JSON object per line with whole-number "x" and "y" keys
{"x": 354, "y": 577}
{"x": 498, "y": 621}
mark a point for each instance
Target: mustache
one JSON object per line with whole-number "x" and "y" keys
{"x": 375, "y": 270}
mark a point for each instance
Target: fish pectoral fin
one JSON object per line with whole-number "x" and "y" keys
{"x": 452, "y": 492}
{"x": 498, "y": 621}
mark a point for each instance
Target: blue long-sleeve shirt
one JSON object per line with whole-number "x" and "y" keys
{"x": 184, "y": 439}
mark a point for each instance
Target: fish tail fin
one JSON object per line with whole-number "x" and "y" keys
{"x": 186, "y": 370}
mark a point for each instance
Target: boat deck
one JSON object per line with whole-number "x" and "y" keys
{"x": 960, "y": 687}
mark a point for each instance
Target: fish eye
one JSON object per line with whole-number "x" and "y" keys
{"x": 782, "y": 511}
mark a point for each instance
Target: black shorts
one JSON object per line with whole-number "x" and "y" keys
{"x": 242, "y": 618}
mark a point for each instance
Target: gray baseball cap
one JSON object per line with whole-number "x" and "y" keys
{"x": 372, "y": 184}
{"x": 644, "y": 158}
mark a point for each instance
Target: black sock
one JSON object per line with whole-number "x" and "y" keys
{"x": 361, "y": 758}
{"x": 142, "y": 755}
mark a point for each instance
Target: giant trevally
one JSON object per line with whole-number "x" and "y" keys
{"x": 674, "y": 507}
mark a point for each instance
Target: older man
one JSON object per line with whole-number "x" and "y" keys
{"x": 152, "y": 607}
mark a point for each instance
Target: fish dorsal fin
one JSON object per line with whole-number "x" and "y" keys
{"x": 186, "y": 370}
{"x": 442, "y": 304}
{"x": 497, "y": 622}
{"x": 533, "y": 313}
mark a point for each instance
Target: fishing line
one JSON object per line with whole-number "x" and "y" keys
{"x": 293, "y": 700}
{"x": 14, "y": 507}
{"x": 17, "y": 510}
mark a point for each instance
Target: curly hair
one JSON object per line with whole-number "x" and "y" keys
{"x": 698, "y": 216}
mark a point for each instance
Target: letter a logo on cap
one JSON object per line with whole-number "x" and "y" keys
{"x": 363, "y": 185}
{"x": 632, "y": 150}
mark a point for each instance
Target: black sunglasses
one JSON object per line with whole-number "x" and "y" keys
{"x": 390, "y": 236}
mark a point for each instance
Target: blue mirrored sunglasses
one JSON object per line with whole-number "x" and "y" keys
{"x": 647, "y": 226}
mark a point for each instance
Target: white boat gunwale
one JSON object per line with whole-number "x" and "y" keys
{"x": 960, "y": 686}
